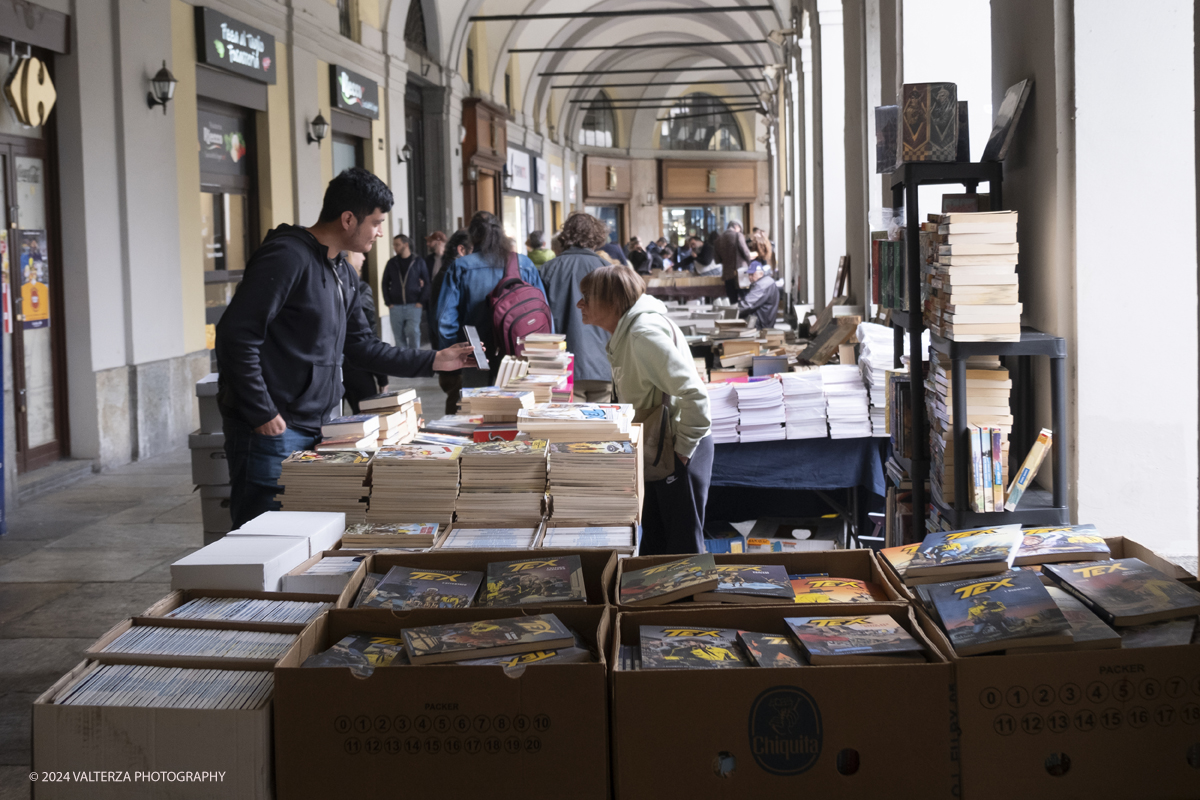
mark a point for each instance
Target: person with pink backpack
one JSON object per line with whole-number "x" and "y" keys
{"x": 495, "y": 289}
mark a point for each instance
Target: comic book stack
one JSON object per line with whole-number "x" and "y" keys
{"x": 412, "y": 482}
{"x": 593, "y": 482}
{"x": 548, "y": 358}
{"x": 988, "y": 417}
{"x": 314, "y": 481}
{"x": 804, "y": 411}
{"x": 503, "y": 483}
{"x": 876, "y": 358}
{"x": 846, "y": 401}
{"x": 397, "y": 415}
{"x": 514, "y": 375}
{"x": 576, "y": 422}
{"x": 974, "y": 280}
{"x": 494, "y": 403}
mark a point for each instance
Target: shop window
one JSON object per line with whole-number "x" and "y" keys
{"x": 508, "y": 103}
{"x": 471, "y": 69}
{"x": 680, "y": 222}
{"x": 346, "y": 19}
{"x": 347, "y": 152}
{"x": 599, "y": 123}
{"x": 611, "y": 217}
{"x": 700, "y": 122}
{"x": 414, "y": 27}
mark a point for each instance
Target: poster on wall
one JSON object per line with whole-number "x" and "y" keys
{"x": 541, "y": 174}
{"x": 5, "y": 283}
{"x": 35, "y": 279}
{"x": 556, "y": 183}
{"x": 223, "y": 147}
{"x": 571, "y": 192}
{"x": 518, "y": 171}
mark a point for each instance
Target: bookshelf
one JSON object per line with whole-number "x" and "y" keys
{"x": 905, "y": 182}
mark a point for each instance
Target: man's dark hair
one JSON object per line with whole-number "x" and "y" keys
{"x": 583, "y": 230}
{"x": 407, "y": 241}
{"x": 733, "y": 223}
{"x": 460, "y": 238}
{"x": 488, "y": 238}
{"x": 536, "y": 240}
{"x": 357, "y": 191}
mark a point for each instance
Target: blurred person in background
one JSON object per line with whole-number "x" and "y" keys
{"x": 406, "y": 288}
{"x": 535, "y": 244}
{"x": 734, "y": 256}
{"x": 761, "y": 302}
{"x": 459, "y": 245}
{"x": 359, "y": 384}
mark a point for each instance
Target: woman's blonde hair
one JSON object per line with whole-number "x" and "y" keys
{"x": 616, "y": 286}
{"x": 763, "y": 245}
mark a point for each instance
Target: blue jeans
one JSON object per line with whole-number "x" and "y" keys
{"x": 406, "y": 326}
{"x": 254, "y": 465}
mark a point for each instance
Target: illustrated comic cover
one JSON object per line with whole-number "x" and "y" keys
{"x": 1070, "y": 543}
{"x": 1126, "y": 591}
{"x": 898, "y": 558}
{"x": 690, "y": 648}
{"x": 361, "y": 650}
{"x": 1012, "y": 609}
{"x": 665, "y": 582}
{"x": 836, "y": 590}
{"x": 463, "y": 640}
{"x": 958, "y": 548}
{"x": 1164, "y": 633}
{"x": 763, "y": 581}
{"x": 829, "y": 639}
{"x": 418, "y": 452}
{"x": 404, "y": 587}
{"x": 535, "y": 580}
{"x": 312, "y": 457}
{"x": 592, "y": 448}
{"x": 567, "y": 655}
{"x": 519, "y": 447}
{"x": 771, "y": 649}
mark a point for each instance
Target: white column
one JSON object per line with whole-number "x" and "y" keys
{"x": 810, "y": 172}
{"x": 833, "y": 145}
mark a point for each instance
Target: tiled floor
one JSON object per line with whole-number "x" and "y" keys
{"x": 77, "y": 561}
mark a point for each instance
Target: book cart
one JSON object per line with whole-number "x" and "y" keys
{"x": 906, "y": 181}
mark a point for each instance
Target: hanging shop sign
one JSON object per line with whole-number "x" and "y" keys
{"x": 225, "y": 42}
{"x": 541, "y": 172}
{"x": 354, "y": 93}
{"x": 30, "y": 92}
{"x": 222, "y": 143}
{"x": 520, "y": 179}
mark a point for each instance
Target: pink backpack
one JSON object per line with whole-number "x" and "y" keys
{"x": 518, "y": 310}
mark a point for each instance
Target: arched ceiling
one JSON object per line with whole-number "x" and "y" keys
{"x": 700, "y": 63}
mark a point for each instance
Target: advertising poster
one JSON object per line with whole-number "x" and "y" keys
{"x": 5, "y": 283}
{"x": 35, "y": 277}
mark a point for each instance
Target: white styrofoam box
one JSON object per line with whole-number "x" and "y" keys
{"x": 252, "y": 563}
{"x": 210, "y": 414}
{"x": 323, "y": 529}
{"x": 207, "y": 386}
{"x": 214, "y": 508}
{"x": 209, "y": 465}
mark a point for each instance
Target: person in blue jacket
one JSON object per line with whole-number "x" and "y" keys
{"x": 472, "y": 278}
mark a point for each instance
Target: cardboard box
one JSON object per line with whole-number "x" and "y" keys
{"x": 857, "y": 564}
{"x": 599, "y": 566}
{"x": 254, "y": 563}
{"x": 209, "y": 465}
{"x": 159, "y": 610}
{"x": 214, "y": 509}
{"x": 210, "y": 411}
{"x": 1100, "y": 723}
{"x": 72, "y": 739}
{"x": 442, "y": 730}
{"x": 296, "y": 581}
{"x": 322, "y": 529}
{"x": 830, "y": 731}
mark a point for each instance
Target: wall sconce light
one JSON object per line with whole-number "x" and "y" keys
{"x": 472, "y": 174}
{"x": 162, "y": 89}
{"x": 650, "y": 199}
{"x": 318, "y": 129}
{"x": 462, "y": 133}
{"x": 611, "y": 176}
{"x": 507, "y": 176}
{"x": 405, "y": 154}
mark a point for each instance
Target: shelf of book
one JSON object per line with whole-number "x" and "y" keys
{"x": 906, "y": 180}
{"x": 1033, "y": 343}
{"x": 1037, "y": 507}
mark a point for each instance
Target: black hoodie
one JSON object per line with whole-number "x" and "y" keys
{"x": 281, "y": 341}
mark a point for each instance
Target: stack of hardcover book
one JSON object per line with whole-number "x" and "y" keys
{"x": 974, "y": 282}
{"x": 804, "y": 411}
{"x": 503, "y": 483}
{"x": 593, "y": 483}
{"x": 414, "y": 482}
{"x": 314, "y": 481}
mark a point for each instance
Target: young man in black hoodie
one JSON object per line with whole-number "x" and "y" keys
{"x": 281, "y": 343}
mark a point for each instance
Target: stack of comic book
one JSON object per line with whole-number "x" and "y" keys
{"x": 576, "y": 422}
{"x": 495, "y": 403}
{"x": 414, "y": 483}
{"x": 503, "y": 483}
{"x": 314, "y": 481}
{"x": 593, "y": 482}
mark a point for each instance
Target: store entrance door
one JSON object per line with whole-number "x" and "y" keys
{"x": 34, "y": 266}
{"x": 414, "y": 133}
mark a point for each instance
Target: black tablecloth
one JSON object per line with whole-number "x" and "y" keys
{"x": 802, "y": 464}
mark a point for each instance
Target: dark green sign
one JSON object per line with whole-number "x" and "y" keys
{"x": 225, "y": 42}
{"x": 354, "y": 93}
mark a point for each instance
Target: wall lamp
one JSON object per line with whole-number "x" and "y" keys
{"x": 507, "y": 176}
{"x": 472, "y": 173}
{"x": 162, "y": 88}
{"x": 318, "y": 129}
{"x": 405, "y": 154}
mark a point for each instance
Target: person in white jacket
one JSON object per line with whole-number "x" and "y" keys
{"x": 650, "y": 358}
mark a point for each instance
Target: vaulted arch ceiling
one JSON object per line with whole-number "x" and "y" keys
{"x": 701, "y": 57}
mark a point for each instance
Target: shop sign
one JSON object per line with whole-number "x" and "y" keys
{"x": 30, "y": 92}
{"x": 541, "y": 173}
{"x": 556, "y": 183}
{"x": 225, "y": 42}
{"x": 223, "y": 146}
{"x": 354, "y": 93}
{"x": 518, "y": 171}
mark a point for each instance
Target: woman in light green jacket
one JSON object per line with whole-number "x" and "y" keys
{"x": 650, "y": 358}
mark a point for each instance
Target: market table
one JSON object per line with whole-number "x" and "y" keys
{"x": 766, "y": 476}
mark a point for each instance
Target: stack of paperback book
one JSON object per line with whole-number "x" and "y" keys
{"x": 618, "y": 537}
{"x": 487, "y": 639}
{"x": 503, "y": 483}
{"x": 858, "y": 639}
{"x": 723, "y": 411}
{"x": 356, "y": 432}
{"x": 845, "y": 401}
{"x": 804, "y": 411}
{"x": 414, "y": 482}
{"x": 974, "y": 282}
{"x": 592, "y": 482}
{"x": 244, "y": 609}
{"x": 548, "y": 358}
{"x": 494, "y": 403}
{"x": 876, "y": 359}
{"x": 988, "y": 390}
{"x": 126, "y": 685}
{"x": 760, "y": 410}
{"x": 488, "y": 539}
{"x": 390, "y": 536}
{"x": 397, "y": 415}
{"x": 514, "y": 375}
{"x": 454, "y": 424}
{"x": 201, "y": 643}
{"x": 314, "y": 481}
{"x": 576, "y": 422}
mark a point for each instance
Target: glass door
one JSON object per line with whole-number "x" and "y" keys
{"x": 611, "y": 217}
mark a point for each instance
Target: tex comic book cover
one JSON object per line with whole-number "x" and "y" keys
{"x": 989, "y": 610}
{"x": 404, "y": 587}
{"x": 690, "y": 648}
{"x": 418, "y": 452}
{"x": 337, "y": 458}
{"x": 1125, "y": 587}
{"x": 361, "y": 649}
{"x": 771, "y": 649}
{"x": 484, "y": 635}
{"x": 966, "y": 546}
{"x": 1073, "y": 542}
{"x": 538, "y": 580}
{"x": 760, "y": 580}
{"x": 522, "y": 447}
{"x": 644, "y": 584}
{"x": 874, "y": 634}
{"x": 836, "y": 590}
{"x": 591, "y": 448}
